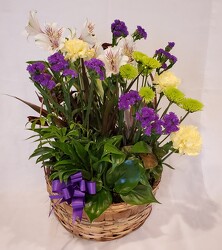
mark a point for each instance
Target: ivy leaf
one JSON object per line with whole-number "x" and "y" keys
{"x": 141, "y": 147}
{"x": 98, "y": 203}
{"x": 126, "y": 176}
{"x": 139, "y": 196}
{"x": 109, "y": 148}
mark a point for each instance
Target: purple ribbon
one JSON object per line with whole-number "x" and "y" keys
{"x": 73, "y": 192}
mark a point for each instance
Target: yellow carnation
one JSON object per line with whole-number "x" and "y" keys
{"x": 187, "y": 140}
{"x": 164, "y": 80}
{"x": 77, "y": 48}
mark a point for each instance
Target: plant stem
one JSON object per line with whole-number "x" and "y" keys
{"x": 173, "y": 151}
{"x": 184, "y": 116}
{"x": 166, "y": 109}
{"x": 86, "y": 121}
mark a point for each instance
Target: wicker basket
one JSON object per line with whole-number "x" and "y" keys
{"x": 117, "y": 221}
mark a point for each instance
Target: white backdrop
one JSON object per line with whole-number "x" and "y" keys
{"x": 190, "y": 214}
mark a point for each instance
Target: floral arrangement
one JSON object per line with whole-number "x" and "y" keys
{"x": 103, "y": 122}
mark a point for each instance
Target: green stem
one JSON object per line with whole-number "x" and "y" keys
{"x": 184, "y": 116}
{"x": 173, "y": 151}
{"x": 86, "y": 121}
{"x": 131, "y": 84}
{"x": 166, "y": 109}
{"x": 164, "y": 139}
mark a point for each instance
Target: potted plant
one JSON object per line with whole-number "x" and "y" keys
{"x": 103, "y": 129}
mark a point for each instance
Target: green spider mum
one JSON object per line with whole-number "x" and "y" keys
{"x": 147, "y": 94}
{"x": 145, "y": 60}
{"x": 174, "y": 95}
{"x": 191, "y": 105}
{"x": 128, "y": 71}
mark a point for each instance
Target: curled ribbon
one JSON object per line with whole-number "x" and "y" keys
{"x": 73, "y": 192}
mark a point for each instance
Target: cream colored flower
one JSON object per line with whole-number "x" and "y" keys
{"x": 77, "y": 48}
{"x": 49, "y": 38}
{"x": 113, "y": 60}
{"x": 33, "y": 28}
{"x": 164, "y": 80}
{"x": 128, "y": 46}
{"x": 87, "y": 34}
{"x": 187, "y": 140}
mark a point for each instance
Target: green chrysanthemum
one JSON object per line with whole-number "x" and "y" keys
{"x": 174, "y": 95}
{"x": 128, "y": 71}
{"x": 149, "y": 62}
{"x": 139, "y": 56}
{"x": 191, "y": 105}
{"x": 147, "y": 94}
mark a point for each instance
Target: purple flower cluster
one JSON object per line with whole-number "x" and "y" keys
{"x": 129, "y": 99}
{"x": 57, "y": 62}
{"x": 40, "y": 74}
{"x": 139, "y": 33}
{"x": 119, "y": 29}
{"x": 70, "y": 72}
{"x": 97, "y": 66}
{"x": 171, "y": 44}
{"x": 37, "y": 72}
{"x": 165, "y": 55}
{"x": 170, "y": 123}
{"x": 150, "y": 122}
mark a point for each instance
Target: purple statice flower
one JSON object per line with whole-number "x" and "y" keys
{"x": 164, "y": 55}
{"x": 97, "y": 66}
{"x": 37, "y": 72}
{"x": 139, "y": 33}
{"x": 128, "y": 99}
{"x": 36, "y": 68}
{"x": 70, "y": 72}
{"x": 57, "y": 62}
{"x": 173, "y": 59}
{"x": 171, "y": 44}
{"x": 149, "y": 120}
{"x": 45, "y": 80}
{"x": 159, "y": 52}
{"x": 119, "y": 29}
{"x": 164, "y": 66}
{"x": 157, "y": 126}
{"x": 170, "y": 123}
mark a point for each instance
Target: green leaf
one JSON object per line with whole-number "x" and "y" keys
{"x": 140, "y": 148}
{"x": 111, "y": 149}
{"x": 41, "y": 151}
{"x": 139, "y": 195}
{"x": 162, "y": 151}
{"x": 64, "y": 163}
{"x": 97, "y": 204}
{"x": 81, "y": 152}
{"x": 126, "y": 176}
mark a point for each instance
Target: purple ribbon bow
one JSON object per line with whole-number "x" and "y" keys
{"x": 73, "y": 192}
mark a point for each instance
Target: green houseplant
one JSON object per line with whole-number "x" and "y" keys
{"x": 102, "y": 115}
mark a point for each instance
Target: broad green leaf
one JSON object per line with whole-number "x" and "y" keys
{"x": 97, "y": 204}
{"x": 126, "y": 176}
{"x": 111, "y": 149}
{"x": 117, "y": 159}
{"x": 139, "y": 195}
{"x": 141, "y": 147}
